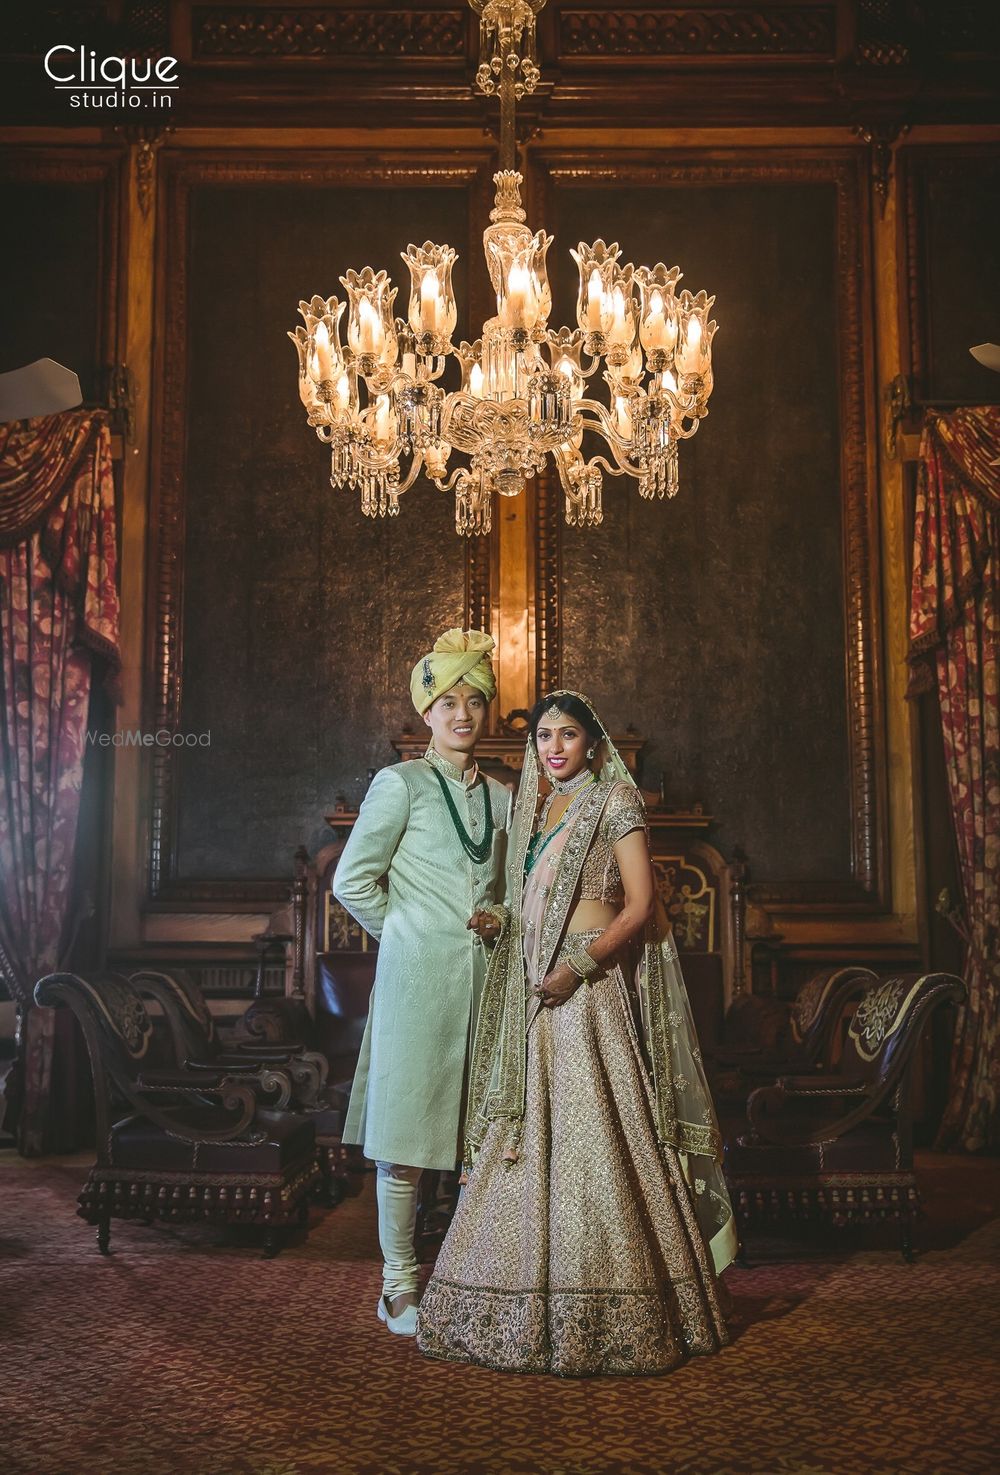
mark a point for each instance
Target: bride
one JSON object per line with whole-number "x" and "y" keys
{"x": 595, "y": 1217}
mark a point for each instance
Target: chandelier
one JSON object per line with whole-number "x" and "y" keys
{"x": 526, "y": 389}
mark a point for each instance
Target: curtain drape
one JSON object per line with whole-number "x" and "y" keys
{"x": 58, "y": 609}
{"x": 954, "y": 629}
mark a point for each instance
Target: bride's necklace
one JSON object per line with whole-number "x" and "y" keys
{"x": 570, "y": 785}
{"x": 575, "y": 787}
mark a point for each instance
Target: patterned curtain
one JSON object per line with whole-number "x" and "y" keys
{"x": 58, "y": 607}
{"x": 954, "y": 631}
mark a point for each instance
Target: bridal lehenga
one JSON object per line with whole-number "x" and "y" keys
{"x": 595, "y": 1217}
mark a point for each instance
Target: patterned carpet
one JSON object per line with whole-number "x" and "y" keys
{"x": 187, "y": 1353}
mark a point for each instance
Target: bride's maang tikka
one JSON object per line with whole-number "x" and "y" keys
{"x": 556, "y": 711}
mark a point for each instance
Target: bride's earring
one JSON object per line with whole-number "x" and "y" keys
{"x": 591, "y": 752}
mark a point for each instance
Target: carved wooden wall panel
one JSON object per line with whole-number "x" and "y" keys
{"x": 737, "y": 627}
{"x": 283, "y": 621}
{"x": 327, "y": 31}
{"x": 697, "y": 31}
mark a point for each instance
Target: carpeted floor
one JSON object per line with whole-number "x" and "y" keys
{"x": 185, "y": 1354}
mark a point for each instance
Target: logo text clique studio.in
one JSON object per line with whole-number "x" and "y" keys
{"x": 93, "y": 81}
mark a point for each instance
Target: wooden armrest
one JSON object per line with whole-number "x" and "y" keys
{"x": 823, "y": 1083}
{"x": 181, "y": 1080}
{"x": 266, "y": 1054}
{"x": 234, "y": 1096}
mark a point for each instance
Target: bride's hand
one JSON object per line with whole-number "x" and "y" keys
{"x": 484, "y": 925}
{"x": 558, "y": 986}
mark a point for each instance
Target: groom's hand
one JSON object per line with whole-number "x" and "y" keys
{"x": 558, "y": 986}
{"x": 484, "y": 925}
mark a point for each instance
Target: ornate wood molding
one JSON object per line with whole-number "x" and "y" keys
{"x": 712, "y": 31}
{"x": 164, "y": 653}
{"x": 145, "y": 140}
{"x": 880, "y": 138}
{"x": 480, "y": 570}
{"x": 286, "y": 32}
{"x": 779, "y": 62}
{"x": 868, "y": 890}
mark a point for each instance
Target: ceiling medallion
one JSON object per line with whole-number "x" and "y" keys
{"x": 525, "y": 390}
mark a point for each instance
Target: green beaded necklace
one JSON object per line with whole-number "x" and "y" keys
{"x": 477, "y": 850}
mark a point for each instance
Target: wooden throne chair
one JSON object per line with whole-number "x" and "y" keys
{"x": 183, "y": 1145}
{"x": 838, "y": 1145}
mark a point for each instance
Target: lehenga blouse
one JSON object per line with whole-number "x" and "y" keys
{"x": 600, "y": 878}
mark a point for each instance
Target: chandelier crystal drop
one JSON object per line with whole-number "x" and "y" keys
{"x": 526, "y": 388}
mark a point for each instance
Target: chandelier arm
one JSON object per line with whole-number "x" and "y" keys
{"x": 605, "y": 425}
{"x": 441, "y": 360}
{"x": 621, "y": 468}
{"x": 376, "y": 461}
{"x": 453, "y": 480}
{"x": 619, "y": 447}
{"x": 416, "y": 465}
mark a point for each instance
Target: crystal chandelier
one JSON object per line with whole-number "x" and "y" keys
{"x": 525, "y": 387}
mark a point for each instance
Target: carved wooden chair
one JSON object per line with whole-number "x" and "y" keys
{"x": 290, "y": 1073}
{"x": 838, "y": 1145}
{"x": 295, "y": 1076}
{"x": 194, "y": 1146}
{"x": 765, "y": 1038}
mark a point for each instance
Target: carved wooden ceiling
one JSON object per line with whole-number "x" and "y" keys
{"x": 776, "y": 62}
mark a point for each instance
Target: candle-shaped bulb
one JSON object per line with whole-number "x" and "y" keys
{"x": 371, "y": 335}
{"x": 323, "y": 360}
{"x": 595, "y": 301}
{"x": 430, "y": 301}
{"x": 476, "y": 382}
{"x": 522, "y": 308}
{"x": 342, "y": 393}
{"x": 623, "y": 420}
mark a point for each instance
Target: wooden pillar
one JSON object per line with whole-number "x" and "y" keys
{"x": 889, "y": 281}
{"x": 128, "y": 848}
{"x": 515, "y": 615}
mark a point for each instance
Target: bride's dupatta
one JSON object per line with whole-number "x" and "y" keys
{"x": 540, "y": 907}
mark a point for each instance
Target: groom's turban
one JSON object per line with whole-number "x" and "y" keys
{"x": 459, "y": 655}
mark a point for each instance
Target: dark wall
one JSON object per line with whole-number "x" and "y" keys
{"x": 54, "y": 291}
{"x": 714, "y": 623}
{"x": 301, "y": 618}
{"x": 959, "y": 288}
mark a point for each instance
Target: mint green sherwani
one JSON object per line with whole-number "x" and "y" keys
{"x": 407, "y": 1104}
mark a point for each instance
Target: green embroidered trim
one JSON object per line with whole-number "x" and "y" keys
{"x": 477, "y": 850}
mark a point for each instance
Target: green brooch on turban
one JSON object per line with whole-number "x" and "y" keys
{"x": 459, "y": 655}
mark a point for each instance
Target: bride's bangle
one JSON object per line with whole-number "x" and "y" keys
{"x": 583, "y": 965}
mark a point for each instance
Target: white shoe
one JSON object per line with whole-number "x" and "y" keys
{"x": 403, "y": 1325}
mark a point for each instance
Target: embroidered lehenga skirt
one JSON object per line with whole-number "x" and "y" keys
{"x": 584, "y": 1255}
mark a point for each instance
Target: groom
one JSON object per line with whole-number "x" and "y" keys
{"x": 423, "y": 873}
